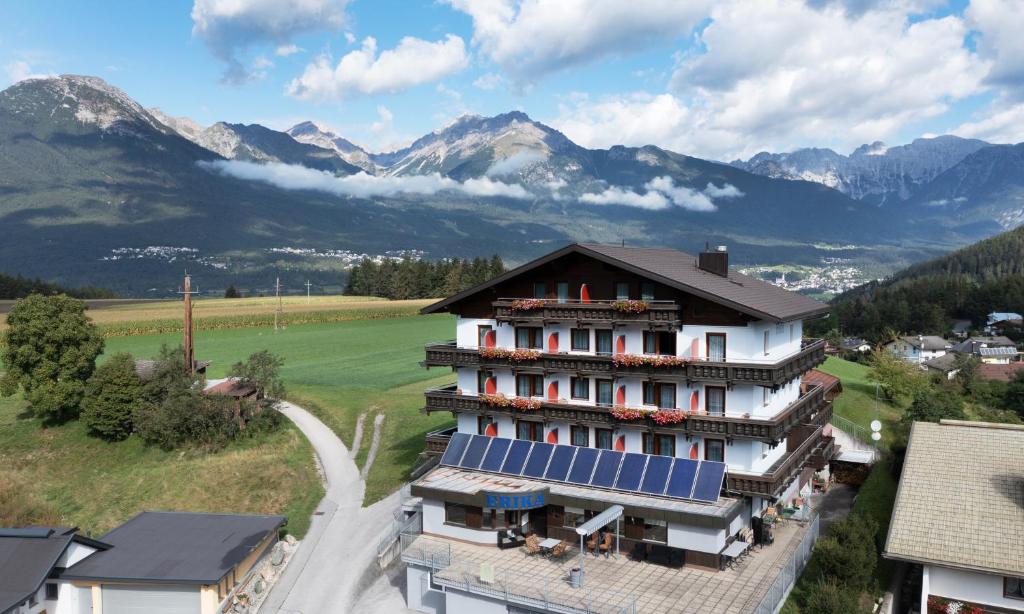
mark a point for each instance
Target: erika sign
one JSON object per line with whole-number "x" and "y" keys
{"x": 516, "y": 500}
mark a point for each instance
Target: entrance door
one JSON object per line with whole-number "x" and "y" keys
{"x": 539, "y": 521}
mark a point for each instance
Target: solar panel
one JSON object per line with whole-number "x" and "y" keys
{"x": 583, "y": 466}
{"x": 516, "y": 457}
{"x": 475, "y": 452}
{"x": 680, "y": 482}
{"x": 709, "y": 481}
{"x": 538, "y": 461}
{"x": 631, "y": 471}
{"x": 607, "y": 469}
{"x": 656, "y": 476}
{"x": 561, "y": 460}
{"x": 495, "y": 454}
{"x": 456, "y": 447}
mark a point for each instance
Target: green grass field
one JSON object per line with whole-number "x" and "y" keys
{"x": 61, "y": 475}
{"x": 857, "y": 402}
{"x": 338, "y": 371}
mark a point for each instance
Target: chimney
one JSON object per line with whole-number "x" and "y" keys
{"x": 716, "y": 261}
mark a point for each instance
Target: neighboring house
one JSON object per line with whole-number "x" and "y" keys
{"x": 146, "y": 367}
{"x": 997, "y": 350}
{"x": 918, "y": 349}
{"x": 961, "y": 328}
{"x": 31, "y": 560}
{"x": 246, "y": 396}
{"x": 999, "y": 373}
{"x": 944, "y": 365}
{"x": 159, "y": 562}
{"x": 855, "y": 344}
{"x": 999, "y": 320}
{"x": 958, "y": 514}
{"x": 552, "y": 363}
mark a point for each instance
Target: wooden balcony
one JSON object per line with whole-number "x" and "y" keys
{"x": 815, "y": 451}
{"x": 728, "y": 372}
{"x": 811, "y": 407}
{"x": 437, "y": 440}
{"x": 659, "y": 315}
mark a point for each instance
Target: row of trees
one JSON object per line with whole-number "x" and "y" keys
{"x": 51, "y": 350}
{"x": 408, "y": 278}
{"x": 20, "y": 287}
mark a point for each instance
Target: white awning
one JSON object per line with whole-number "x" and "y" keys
{"x": 602, "y": 519}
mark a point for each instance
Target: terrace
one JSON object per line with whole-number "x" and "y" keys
{"x": 730, "y": 372}
{"x": 663, "y": 315}
{"x": 616, "y": 585}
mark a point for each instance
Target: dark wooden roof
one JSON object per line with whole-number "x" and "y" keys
{"x": 678, "y": 270}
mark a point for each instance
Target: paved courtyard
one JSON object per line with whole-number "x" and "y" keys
{"x": 611, "y": 585}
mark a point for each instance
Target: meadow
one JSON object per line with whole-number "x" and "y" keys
{"x": 857, "y": 402}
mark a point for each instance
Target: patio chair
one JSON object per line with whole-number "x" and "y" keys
{"x": 592, "y": 543}
{"x": 533, "y": 545}
{"x": 559, "y": 551}
{"x": 606, "y": 545}
{"x": 487, "y": 573}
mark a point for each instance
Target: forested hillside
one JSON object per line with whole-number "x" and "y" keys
{"x": 20, "y": 287}
{"x": 408, "y": 278}
{"x": 925, "y": 298}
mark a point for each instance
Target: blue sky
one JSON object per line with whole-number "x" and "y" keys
{"x": 713, "y": 79}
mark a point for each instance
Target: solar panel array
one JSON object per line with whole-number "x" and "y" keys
{"x": 678, "y": 478}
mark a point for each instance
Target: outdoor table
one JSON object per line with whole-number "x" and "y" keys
{"x": 735, "y": 549}
{"x": 549, "y": 543}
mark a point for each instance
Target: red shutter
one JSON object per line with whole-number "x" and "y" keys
{"x": 695, "y": 349}
{"x": 553, "y": 391}
{"x": 693, "y": 452}
{"x": 490, "y": 339}
{"x": 553, "y": 436}
{"x": 694, "y": 402}
{"x": 584, "y": 294}
{"x": 491, "y": 430}
{"x": 553, "y": 343}
{"x": 620, "y": 344}
{"x": 620, "y": 396}
{"x": 491, "y": 385}
{"x": 620, "y": 443}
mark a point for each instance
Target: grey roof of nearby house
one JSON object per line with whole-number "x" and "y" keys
{"x": 852, "y": 343}
{"x": 971, "y": 345}
{"x": 961, "y": 326}
{"x": 944, "y": 363}
{"x": 678, "y": 270}
{"x": 176, "y": 547}
{"x": 928, "y": 343}
{"x": 1003, "y": 316}
{"x": 27, "y": 556}
{"x": 960, "y": 501}
{"x": 998, "y": 351}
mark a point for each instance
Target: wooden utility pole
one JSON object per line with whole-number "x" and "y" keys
{"x": 190, "y": 354}
{"x": 279, "y": 310}
{"x": 307, "y": 291}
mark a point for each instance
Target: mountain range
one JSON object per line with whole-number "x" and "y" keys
{"x": 97, "y": 190}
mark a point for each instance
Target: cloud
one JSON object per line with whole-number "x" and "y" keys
{"x": 1000, "y": 27}
{"x": 360, "y": 185}
{"x": 19, "y": 70}
{"x": 662, "y": 192}
{"x": 228, "y": 27}
{"x": 619, "y": 196}
{"x": 681, "y": 196}
{"x": 779, "y": 74}
{"x": 488, "y": 82}
{"x": 412, "y": 62}
{"x": 515, "y": 163}
{"x": 531, "y": 38}
{"x": 287, "y": 50}
{"x": 726, "y": 191}
{"x": 1003, "y": 123}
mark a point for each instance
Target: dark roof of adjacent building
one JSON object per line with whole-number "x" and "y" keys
{"x": 945, "y": 363}
{"x": 145, "y": 367}
{"x": 928, "y": 343}
{"x": 28, "y": 556}
{"x": 678, "y": 270}
{"x": 999, "y": 373}
{"x": 814, "y": 377}
{"x": 176, "y": 547}
{"x": 233, "y": 387}
{"x": 971, "y": 345}
{"x": 852, "y": 343}
{"x": 960, "y": 502}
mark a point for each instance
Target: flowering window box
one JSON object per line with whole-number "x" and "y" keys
{"x": 517, "y": 355}
{"x": 527, "y": 304}
{"x": 630, "y": 306}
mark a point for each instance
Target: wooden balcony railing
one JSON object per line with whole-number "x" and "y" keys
{"x": 730, "y": 372}
{"x": 810, "y": 407}
{"x": 437, "y": 440}
{"x": 815, "y": 450}
{"x": 657, "y": 314}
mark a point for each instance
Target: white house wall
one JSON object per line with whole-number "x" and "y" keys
{"x": 970, "y": 586}
{"x": 701, "y": 539}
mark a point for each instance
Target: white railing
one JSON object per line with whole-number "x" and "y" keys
{"x": 790, "y": 572}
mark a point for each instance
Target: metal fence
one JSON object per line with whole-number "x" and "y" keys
{"x": 790, "y": 572}
{"x": 860, "y": 435}
{"x": 389, "y": 546}
{"x": 546, "y": 593}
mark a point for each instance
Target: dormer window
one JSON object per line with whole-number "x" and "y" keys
{"x": 647, "y": 291}
{"x": 622, "y": 291}
{"x": 540, "y": 290}
{"x": 562, "y": 289}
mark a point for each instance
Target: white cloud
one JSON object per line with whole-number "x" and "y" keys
{"x": 360, "y": 185}
{"x": 1003, "y": 123}
{"x": 515, "y": 163}
{"x": 350, "y": 38}
{"x": 19, "y": 70}
{"x": 681, "y": 196}
{"x": 529, "y": 38}
{"x": 230, "y": 26}
{"x": 287, "y": 50}
{"x": 619, "y": 196}
{"x": 662, "y": 192}
{"x": 726, "y": 191}
{"x": 1000, "y": 26}
{"x": 779, "y": 74}
{"x": 488, "y": 82}
{"x": 412, "y": 62}
{"x": 261, "y": 63}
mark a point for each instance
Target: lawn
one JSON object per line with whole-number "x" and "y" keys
{"x": 61, "y": 475}
{"x": 340, "y": 370}
{"x": 857, "y": 402}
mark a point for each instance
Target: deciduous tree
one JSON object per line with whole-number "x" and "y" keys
{"x": 111, "y": 396}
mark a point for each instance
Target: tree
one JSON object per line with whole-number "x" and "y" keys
{"x": 832, "y": 597}
{"x": 967, "y": 373}
{"x": 1014, "y": 395}
{"x": 232, "y": 292}
{"x": 188, "y": 417}
{"x": 50, "y": 350}
{"x": 262, "y": 370}
{"x": 170, "y": 376}
{"x": 897, "y": 377}
{"x": 111, "y": 396}
{"x": 934, "y": 404}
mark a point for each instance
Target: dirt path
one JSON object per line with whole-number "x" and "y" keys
{"x": 357, "y": 439}
{"x": 378, "y": 431}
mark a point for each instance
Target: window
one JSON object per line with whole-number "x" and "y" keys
{"x": 482, "y": 422}
{"x": 530, "y": 431}
{"x": 714, "y": 400}
{"x": 604, "y": 392}
{"x": 529, "y": 385}
{"x": 51, "y": 591}
{"x": 540, "y": 290}
{"x": 650, "y": 395}
{"x": 481, "y": 380}
{"x": 650, "y": 342}
{"x": 716, "y": 347}
{"x": 579, "y": 436}
{"x": 573, "y": 517}
{"x": 767, "y": 342}
{"x": 455, "y": 514}
{"x": 662, "y": 395}
{"x": 529, "y": 337}
{"x": 663, "y": 343}
{"x": 603, "y": 439}
{"x": 1013, "y": 588}
{"x": 655, "y": 530}
{"x": 580, "y": 388}
{"x": 659, "y": 444}
{"x": 647, "y": 291}
{"x": 621, "y": 291}
{"x": 562, "y": 290}
{"x": 603, "y": 341}
{"x": 580, "y": 339}
{"x": 481, "y": 335}
{"x": 714, "y": 450}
